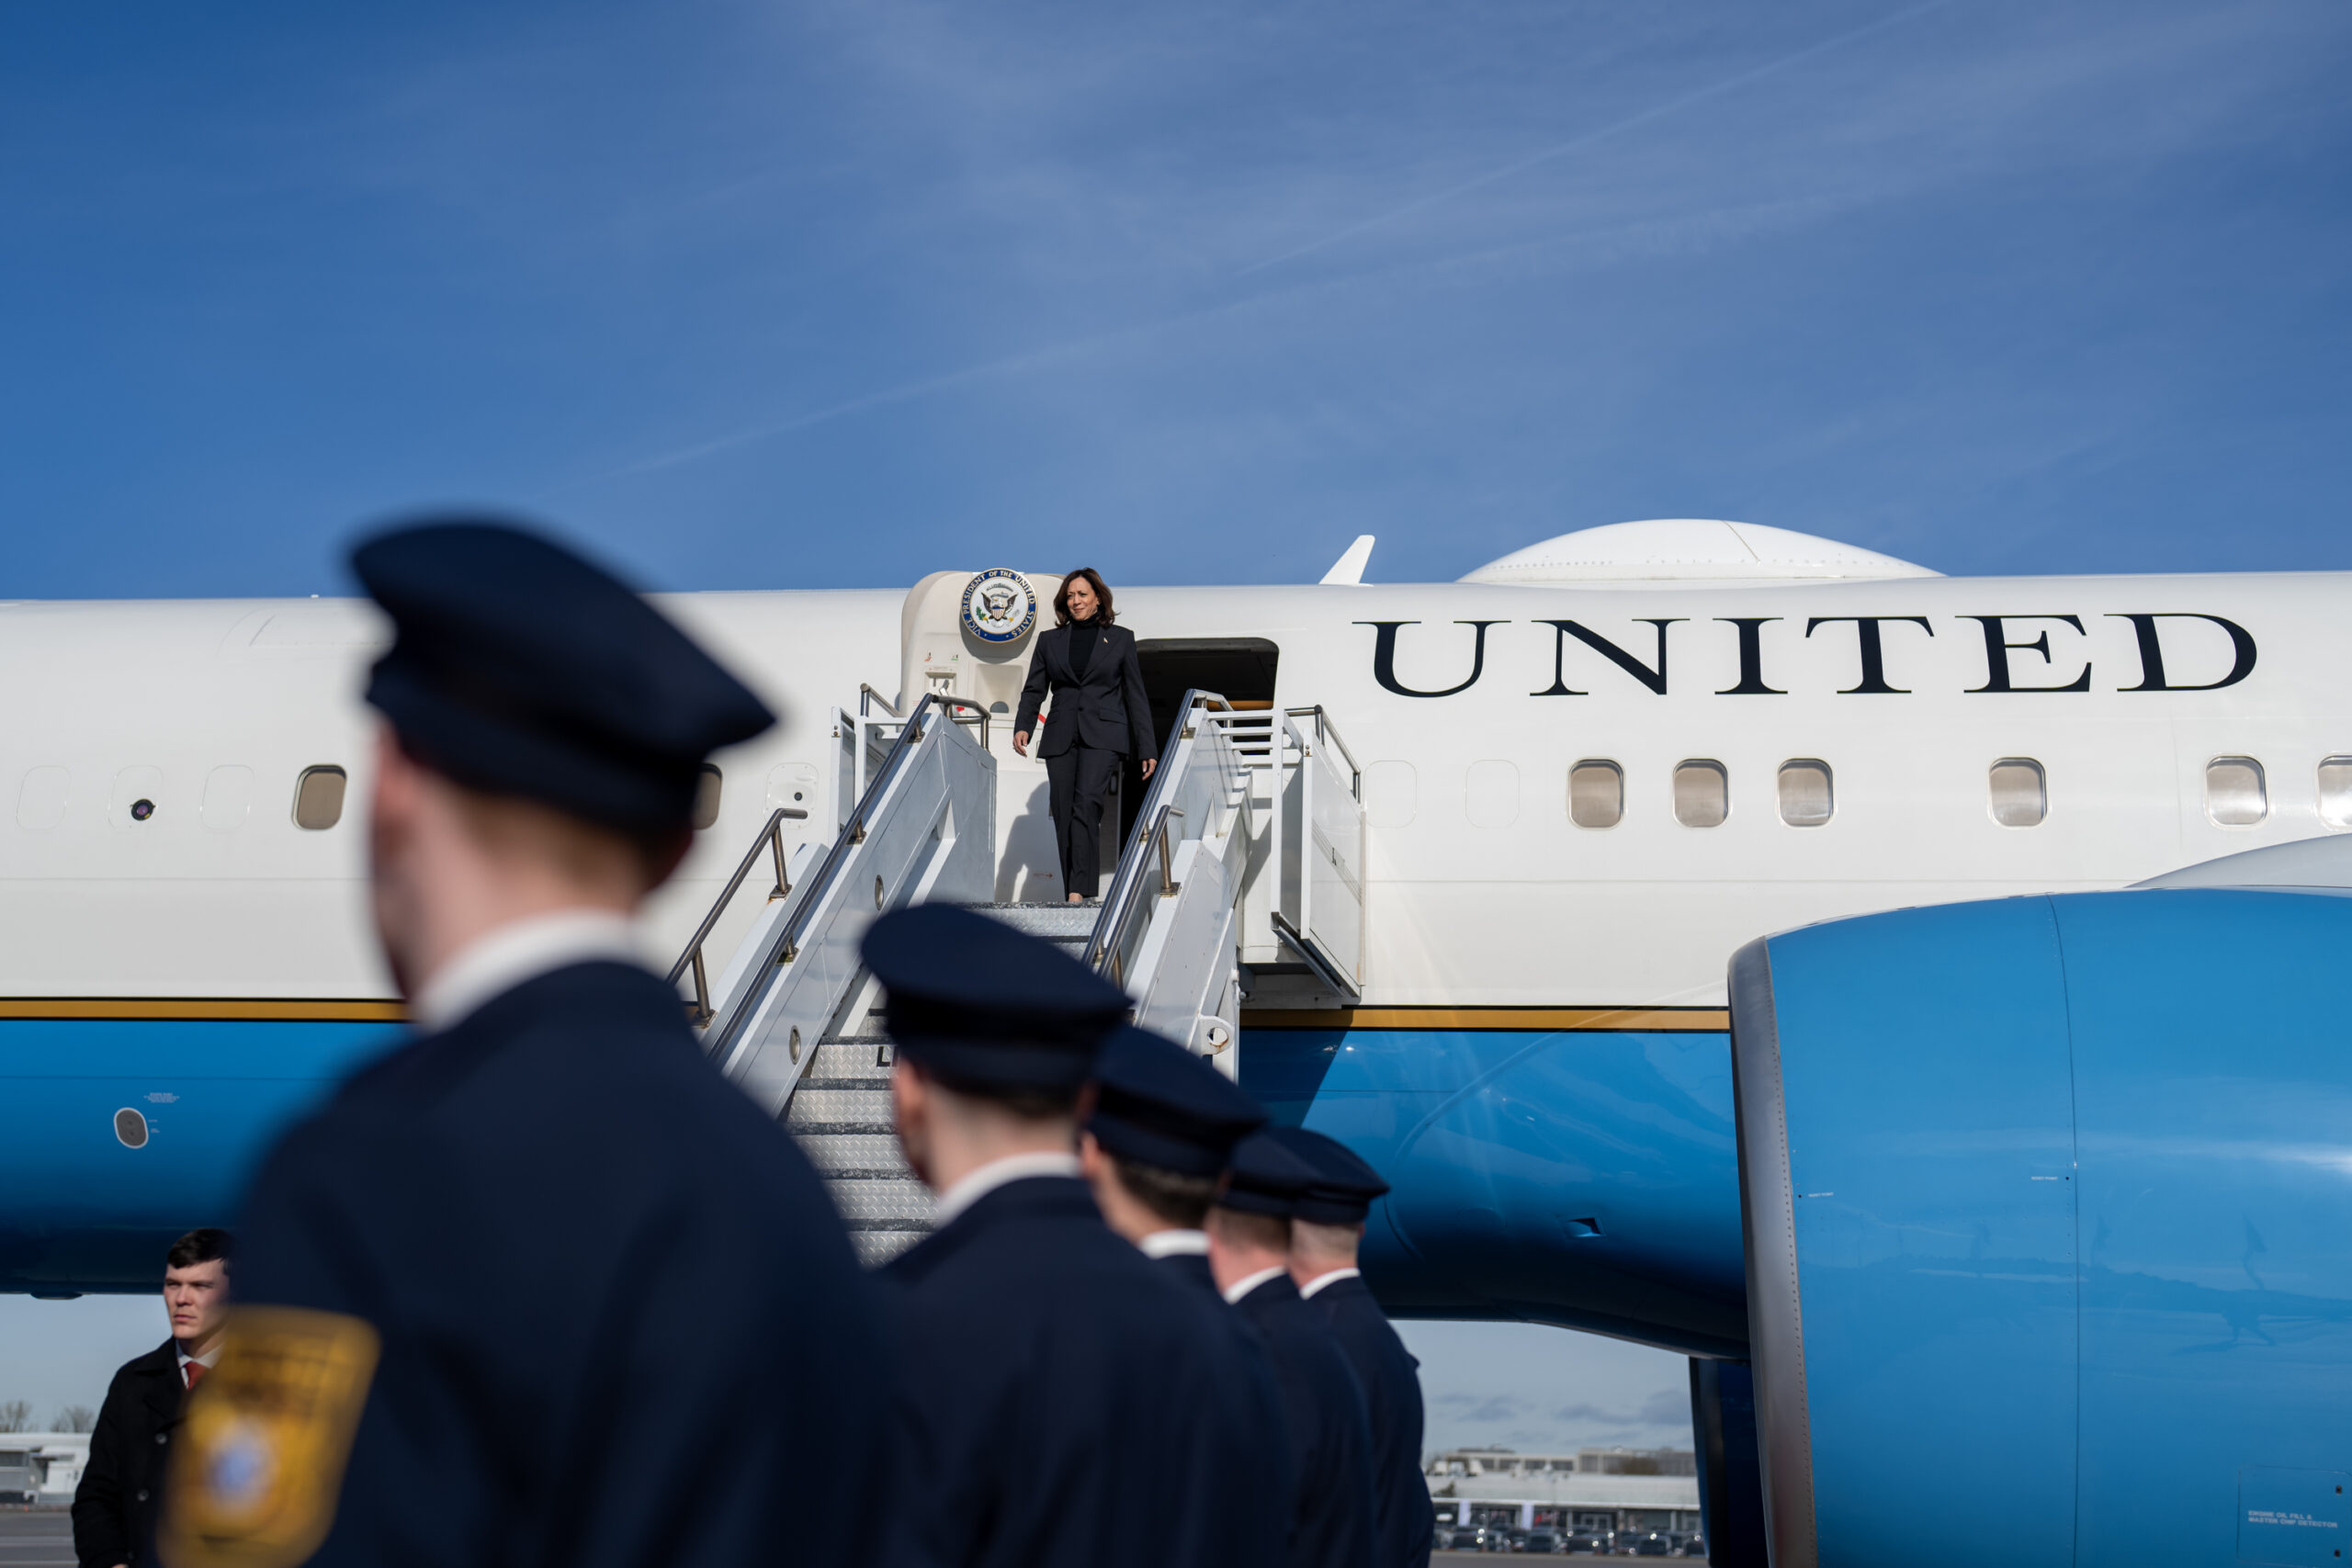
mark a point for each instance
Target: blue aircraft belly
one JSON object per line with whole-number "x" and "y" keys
{"x": 80, "y": 1209}
{"x": 1583, "y": 1180}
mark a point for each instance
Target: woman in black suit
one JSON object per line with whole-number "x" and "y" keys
{"x": 1099, "y": 719}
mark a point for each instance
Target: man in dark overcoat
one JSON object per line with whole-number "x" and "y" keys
{"x": 1248, "y": 1230}
{"x": 1065, "y": 1403}
{"x": 1327, "y": 1230}
{"x": 122, "y": 1481}
{"x": 540, "y": 1288}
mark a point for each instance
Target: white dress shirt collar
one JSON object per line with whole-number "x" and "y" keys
{"x": 207, "y": 1360}
{"x": 975, "y": 1185}
{"x": 524, "y": 950}
{"x": 1175, "y": 1244}
{"x": 1249, "y": 1283}
{"x": 1306, "y": 1292}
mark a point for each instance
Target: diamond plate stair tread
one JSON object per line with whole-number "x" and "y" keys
{"x": 875, "y": 1249}
{"x": 882, "y": 1199}
{"x": 821, "y": 1104}
{"x": 1055, "y": 922}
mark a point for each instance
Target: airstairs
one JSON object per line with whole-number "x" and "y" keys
{"x": 1251, "y": 819}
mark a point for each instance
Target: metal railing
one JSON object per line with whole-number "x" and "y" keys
{"x": 772, "y": 839}
{"x": 785, "y": 945}
{"x": 1328, "y": 733}
{"x": 1108, "y": 945}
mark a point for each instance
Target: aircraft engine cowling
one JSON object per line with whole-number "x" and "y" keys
{"x": 2048, "y": 1211}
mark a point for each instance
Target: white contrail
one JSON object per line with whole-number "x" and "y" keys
{"x": 1562, "y": 149}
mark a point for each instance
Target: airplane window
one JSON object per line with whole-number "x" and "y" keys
{"x": 1701, "y": 794}
{"x": 318, "y": 798}
{"x": 706, "y": 790}
{"x": 1390, "y": 793}
{"x": 2336, "y": 792}
{"x": 1596, "y": 792}
{"x": 2021, "y": 793}
{"x": 1806, "y": 799}
{"x": 2234, "y": 796}
{"x": 41, "y": 804}
{"x": 1490, "y": 793}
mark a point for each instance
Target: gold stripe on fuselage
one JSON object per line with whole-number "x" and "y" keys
{"x": 1623, "y": 1020}
{"x": 255, "y": 1010}
{"x": 227, "y": 1009}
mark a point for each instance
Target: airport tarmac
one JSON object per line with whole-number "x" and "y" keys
{"x": 36, "y": 1538}
{"x": 44, "y": 1538}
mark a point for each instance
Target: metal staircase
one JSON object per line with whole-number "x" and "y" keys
{"x": 794, "y": 1016}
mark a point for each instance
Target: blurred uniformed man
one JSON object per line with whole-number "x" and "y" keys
{"x": 1249, "y": 1231}
{"x": 1065, "y": 1404}
{"x": 1163, "y": 1126}
{"x": 561, "y": 1294}
{"x": 1325, "y": 1229}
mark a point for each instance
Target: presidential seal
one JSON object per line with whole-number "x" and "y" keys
{"x": 999, "y": 605}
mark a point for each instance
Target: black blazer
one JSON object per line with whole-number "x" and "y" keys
{"x": 1107, "y": 710}
{"x": 122, "y": 1486}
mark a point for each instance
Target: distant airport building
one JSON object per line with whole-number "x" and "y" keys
{"x": 1626, "y": 1491}
{"x": 41, "y": 1468}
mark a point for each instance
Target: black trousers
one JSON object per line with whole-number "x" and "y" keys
{"x": 1078, "y": 781}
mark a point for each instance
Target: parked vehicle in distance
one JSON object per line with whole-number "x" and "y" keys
{"x": 1693, "y": 1545}
{"x": 1600, "y": 1543}
{"x": 1542, "y": 1538}
{"x": 1654, "y": 1544}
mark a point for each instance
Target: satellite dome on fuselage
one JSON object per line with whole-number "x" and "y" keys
{"x": 1691, "y": 550}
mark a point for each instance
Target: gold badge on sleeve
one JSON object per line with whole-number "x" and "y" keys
{"x": 260, "y": 1458}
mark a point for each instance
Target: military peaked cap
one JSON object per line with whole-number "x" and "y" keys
{"x": 986, "y": 1007}
{"x": 1344, "y": 1184}
{"x": 1265, "y": 1177}
{"x": 519, "y": 669}
{"x": 1161, "y": 1105}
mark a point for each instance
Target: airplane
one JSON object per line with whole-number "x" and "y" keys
{"x": 1579, "y": 781}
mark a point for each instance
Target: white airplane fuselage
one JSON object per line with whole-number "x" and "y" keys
{"x": 146, "y": 948}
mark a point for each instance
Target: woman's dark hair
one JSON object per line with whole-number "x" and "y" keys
{"x": 1102, "y": 596}
{"x": 199, "y": 1246}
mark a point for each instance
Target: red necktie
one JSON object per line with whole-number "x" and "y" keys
{"x": 194, "y": 1371}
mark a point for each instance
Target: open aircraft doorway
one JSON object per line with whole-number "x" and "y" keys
{"x": 1240, "y": 668}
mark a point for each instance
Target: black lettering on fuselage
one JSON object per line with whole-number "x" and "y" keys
{"x": 1866, "y": 631}
{"x": 2000, "y": 645}
{"x": 1751, "y": 657}
{"x": 1653, "y": 679}
{"x": 1998, "y": 648}
{"x": 1383, "y": 657}
{"x": 2151, "y": 651}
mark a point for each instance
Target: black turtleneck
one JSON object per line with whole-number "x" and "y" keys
{"x": 1083, "y": 636}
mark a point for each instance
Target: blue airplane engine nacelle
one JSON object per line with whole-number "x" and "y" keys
{"x": 2047, "y": 1209}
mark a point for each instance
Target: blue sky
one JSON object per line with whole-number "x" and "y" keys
{"x": 833, "y": 295}
{"x": 836, "y": 295}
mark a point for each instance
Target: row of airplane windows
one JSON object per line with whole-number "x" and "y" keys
{"x": 227, "y": 800}
{"x": 2238, "y": 793}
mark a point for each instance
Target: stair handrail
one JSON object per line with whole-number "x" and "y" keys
{"x": 771, "y": 838}
{"x": 785, "y": 945}
{"x": 1325, "y": 730}
{"x": 1108, "y": 937}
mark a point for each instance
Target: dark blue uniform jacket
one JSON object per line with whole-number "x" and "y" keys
{"x": 1192, "y": 1269}
{"x": 1392, "y": 1387}
{"x": 620, "y": 1321}
{"x": 1067, "y": 1404}
{"x": 1329, "y": 1435}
